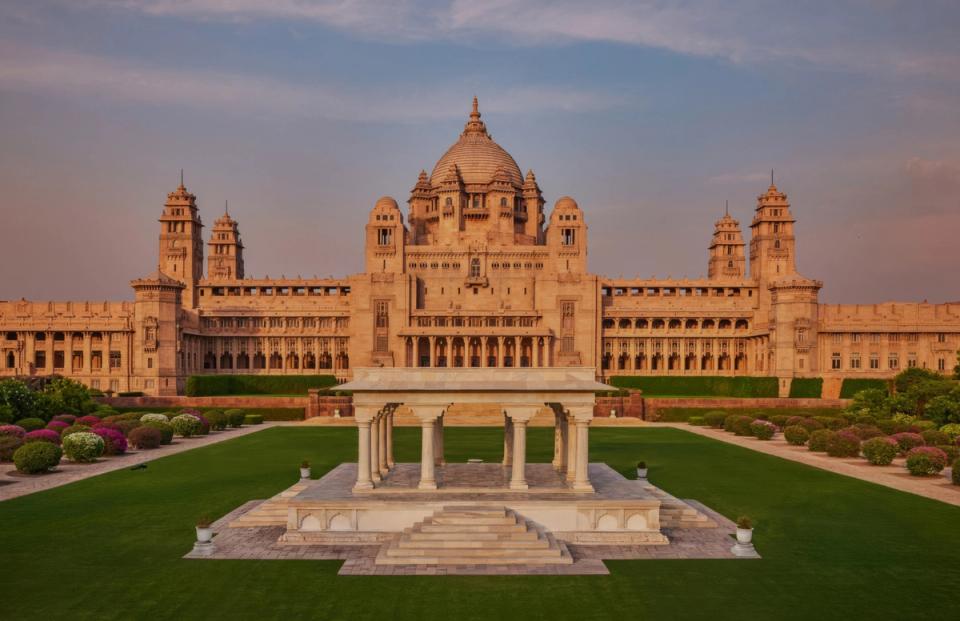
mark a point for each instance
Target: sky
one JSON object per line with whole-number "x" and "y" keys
{"x": 651, "y": 115}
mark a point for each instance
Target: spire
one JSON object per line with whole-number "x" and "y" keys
{"x": 226, "y": 208}
{"x": 726, "y": 207}
{"x": 475, "y": 125}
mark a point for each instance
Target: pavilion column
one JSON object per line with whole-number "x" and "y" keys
{"x": 507, "y": 440}
{"x": 518, "y": 475}
{"x": 87, "y": 353}
{"x": 564, "y": 443}
{"x": 438, "y": 459}
{"x": 433, "y": 351}
{"x": 581, "y": 481}
{"x": 382, "y": 448}
{"x": 428, "y": 478}
{"x": 375, "y": 449}
{"x": 500, "y": 341}
{"x": 557, "y": 441}
{"x": 390, "y": 462}
{"x": 364, "y": 480}
{"x": 571, "y": 449}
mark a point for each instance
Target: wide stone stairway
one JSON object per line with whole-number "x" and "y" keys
{"x": 272, "y": 512}
{"x": 474, "y": 535}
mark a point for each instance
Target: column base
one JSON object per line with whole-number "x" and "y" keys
{"x": 520, "y": 485}
{"x": 427, "y": 485}
{"x": 582, "y": 487}
{"x": 362, "y": 486}
{"x": 376, "y": 477}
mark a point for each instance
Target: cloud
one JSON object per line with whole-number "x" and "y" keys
{"x": 746, "y": 177}
{"x": 23, "y": 68}
{"x": 850, "y": 35}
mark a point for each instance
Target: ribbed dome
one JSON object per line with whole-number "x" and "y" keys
{"x": 476, "y": 156}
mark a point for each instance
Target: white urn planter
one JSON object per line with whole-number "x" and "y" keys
{"x": 744, "y": 535}
{"x": 305, "y": 473}
{"x": 204, "y": 534}
{"x": 642, "y": 472}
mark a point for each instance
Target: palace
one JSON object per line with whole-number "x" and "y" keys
{"x": 476, "y": 274}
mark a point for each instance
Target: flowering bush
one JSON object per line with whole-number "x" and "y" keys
{"x": 952, "y": 430}
{"x": 796, "y": 435}
{"x": 843, "y": 444}
{"x": 864, "y": 432}
{"x": 89, "y": 420}
{"x": 37, "y": 457}
{"x": 9, "y": 446}
{"x": 185, "y": 425}
{"x": 165, "y": 429}
{"x": 113, "y": 441}
{"x": 714, "y": 418}
{"x": 69, "y": 419}
{"x": 831, "y": 422}
{"x": 31, "y": 424}
{"x": 42, "y": 435}
{"x": 952, "y": 452}
{"x": 204, "y": 424}
{"x": 57, "y": 425}
{"x": 154, "y": 418}
{"x": 780, "y": 420}
{"x": 881, "y": 450}
{"x": 907, "y": 441}
{"x": 925, "y": 460}
{"x": 12, "y": 430}
{"x": 146, "y": 437}
{"x": 932, "y": 437}
{"x": 83, "y": 446}
{"x": 126, "y": 426}
{"x": 762, "y": 429}
{"x": 810, "y": 424}
{"x": 818, "y": 440}
{"x": 78, "y": 428}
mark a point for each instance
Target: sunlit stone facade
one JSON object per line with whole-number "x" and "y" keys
{"x": 475, "y": 274}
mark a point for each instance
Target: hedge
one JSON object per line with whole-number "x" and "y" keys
{"x": 701, "y": 386}
{"x": 679, "y": 415}
{"x": 806, "y": 388}
{"x": 269, "y": 414}
{"x": 852, "y": 386}
{"x": 217, "y": 385}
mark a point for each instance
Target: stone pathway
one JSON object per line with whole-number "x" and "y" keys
{"x": 895, "y": 475}
{"x": 13, "y": 484}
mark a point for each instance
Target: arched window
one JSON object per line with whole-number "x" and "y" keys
{"x": 475, "y": 268}
{"x": 448, "y": 202}
{"x": 776, "y": 244}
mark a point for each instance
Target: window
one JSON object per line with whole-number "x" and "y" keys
{"x": 95, "y": 384}
{"x": 893, "y": 361}
{"x": 568, "y": 237}
{"x": 855, "y": 337}
{"x": 941, "y": 364}
{"x": 941, "y": 338}
{"x": 114, "y": 360}
{"x": 855, "y": 361}
{"x": 801, "y": 335}
{"x": 894, "y": 337}
{"x": 837, "y": 338}
{"x": 474, "y": 268}
{"x": 874, "y": 361}
{"x": 874, "y": 338}
{"x": 911, "y": 360}
{"x": 149, "y": 363}
{"x": 384, "y": 237}
{"x": 114, "y": 385}
{"x": 835, "y": 360}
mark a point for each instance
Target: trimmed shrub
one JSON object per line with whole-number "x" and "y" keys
{"x": 235, "y": 417}
{"x": 114, "y": 443}
{"x": 165, "y": 429}
{"x": 145, "y": 437}
{"x": 155, "y": 418}
{"x": 74, "y": 429}
{"x": 83, "y": 446}
{"x": 907, "y": 441}
{"x": 738, "y": 424}
{"x": 834, "y": 423}
{"x": 864, "y": 432}
{"x": 880, "y": 451}
{"x": 955, "y": 474}
{"x": 57, "y": 425}
{"x": 952, "y": 452}
{"x": 932, "y": 437}
{"x": 952, "y": 430}
{"x": 126, "y": 426}
{"x": 185, "y": 425}
{"x": 806, "y": 387}
{"x": 212, "y": 385}
{"x": 37, "y": 457}
{"x": 851, "y": 386}
{"x": 796, "y": 435}
{"x": 9, "y": 446}
{"x": 819, "y": 439}
{"x": 925, "y": 460}
{"x": 252, "y": 419}
{"x": 762, "y": 429}
{"x": 697, "y": 421}
{"x": 700, "y": 386}
{"x": 924, "y": 425}
{"x": 69, "y": 419}
{"x": 843, "y": 444}
{"x": 13, "y": 430}
{"x": 810, "y": 424}
{"x": 90, "y": 420}
{"x": 42, "y": 435}
{"x": 715, "y": 418}
{"x": 218, "y": 421}
{"x": 780, "y": 420}
{"x": 31, "y": 424}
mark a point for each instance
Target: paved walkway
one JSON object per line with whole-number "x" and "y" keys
{"x": 14, "y": 484}
{"x": 895, "y": 475}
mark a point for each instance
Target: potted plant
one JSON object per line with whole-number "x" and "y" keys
{"x": 641, "y": 470}
{"x": 304, "y": 469}
{"x": 744, "y": 530}
{"x": 204, "y": 529}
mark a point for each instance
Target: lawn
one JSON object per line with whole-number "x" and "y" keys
{"x": 833, "y": 547}
{"x": 681, "y": 415}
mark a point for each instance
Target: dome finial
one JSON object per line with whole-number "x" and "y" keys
{"x": 475, "y": 125}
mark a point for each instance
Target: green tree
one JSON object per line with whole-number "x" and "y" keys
{"x": 943, "y": 409}
{"x": 18, "y": 397}
{"x": 72, "y": 396}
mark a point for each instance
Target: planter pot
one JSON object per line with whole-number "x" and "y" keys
{"x": 744, "y": 535}
{"x": 641, "y": 473}
{"x": 204, "y": 534}
{"x": 304, "y": 473}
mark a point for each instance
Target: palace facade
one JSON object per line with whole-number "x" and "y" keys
{"x": 476, "y": 274}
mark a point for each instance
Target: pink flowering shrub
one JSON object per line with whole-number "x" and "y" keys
{"x": 12, "y": 430}
{"x": 926, "y": 460}
{"x": 907, "y": 440}
{"x": 762, "y": 429}
{"x": 89, "y": 420}
{"x": 843, "y": 444}
{"x": 57, "y": 425}
{"x": 113, "y": 440}
{"x": 42, "y": 435}
{"x": 69, "y": 419}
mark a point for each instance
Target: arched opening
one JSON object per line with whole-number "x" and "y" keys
{"x": 723, "y": 363}
{"x": 408, "y": 352}
{"x": 276, "y": 361}
{"x": 740, "y": 362}
{"x": 526, "y": 352}
{"x": 457, "y": 352}
{"x": 226, "y": 360}
{"x": 605, "y": 362}
{"x": 673, "y": 363}
{"x": 326, "y": 360}
{"x": 658, "y": 324}
{"x": 690, "y": 363}
{"x": 509, "y": 352}
{"x": 640, "y": 362}
{"x": 708, "y": 324}
{"x": 656, "y": 363}
{"x": 423, "y": 352}
{"x": 309, "y": 360}
{"x": 293, "y": 361}
{"x": 674, "y": 324}
{"x": 441, "y": 352}
{"x": 725, "y": 324}
{"x": 642, "y": 324}
{"x": 623, "y": 362}
{"x": 210, "y": 360}
{"x": 691, "y": 324}
{"x": 608, "y": 324}
{"x": 343, "y": 360}
{"x": 11, "y": 336}
{"x": 706, "y": 362}
{"x": 11, "y": 360}
{"x": 259, "y": 360}
{"x": 625, "y": 324}
{"x": 476, "y": 352}
{"x": 493, "y": 348}
{"x": 243, "y": 360}
{"x": 741, "y": 324}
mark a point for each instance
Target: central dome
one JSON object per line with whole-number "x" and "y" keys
{"x": 476, "y": 156}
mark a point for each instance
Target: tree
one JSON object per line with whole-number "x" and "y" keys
{"x": 943, "y": 409}
{"x": 18, "y": 397}
{"x": 956, "y": 369}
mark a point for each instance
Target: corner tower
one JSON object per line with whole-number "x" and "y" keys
{"x": 225, "y": 261}
{"x": 181, "y": 242}
{"x": 727, "y": 259}
{"x": 772, "y": 244}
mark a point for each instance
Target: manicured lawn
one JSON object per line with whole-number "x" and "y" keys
{"x": 680, "y": 415}
{"x": 833, "y": 547}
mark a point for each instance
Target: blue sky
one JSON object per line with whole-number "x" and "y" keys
{"x": 650, "y": 114}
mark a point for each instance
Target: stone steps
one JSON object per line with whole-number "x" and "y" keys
{"x": 474, "y": 535}
{"x": 271, "y": 512}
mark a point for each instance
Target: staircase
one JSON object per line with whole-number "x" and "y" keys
{"x": 674, "y": 513}
{"x": 474, "y": 535}
{"x": 271, "y": 512}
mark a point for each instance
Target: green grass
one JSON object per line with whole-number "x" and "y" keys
{"x": 700, "y": 386}
{"x": 680, "y": 415}
{"x": 833, "y": 547}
